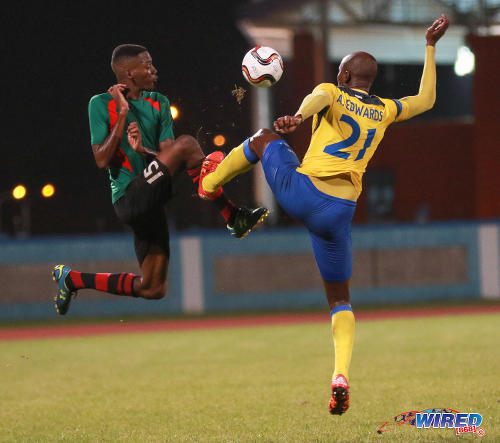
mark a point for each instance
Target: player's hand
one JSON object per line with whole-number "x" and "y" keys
{"x": 134, "y": 138}
{"x": 117, "y": 91}
{"x": 287, "y": 124}
{"x": 437, "y": 30}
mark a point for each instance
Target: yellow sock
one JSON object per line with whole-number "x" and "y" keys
{"x": 343, "y": 338}
{"x": 238, "y": 161}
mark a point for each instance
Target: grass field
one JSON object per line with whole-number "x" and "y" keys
{"x": 249, "y": 384}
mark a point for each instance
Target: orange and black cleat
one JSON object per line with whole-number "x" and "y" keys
{"x": 339, "y": 403}
{"x": 208, "y": 166}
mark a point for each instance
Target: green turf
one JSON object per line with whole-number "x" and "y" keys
{"x": 251, "y": 384}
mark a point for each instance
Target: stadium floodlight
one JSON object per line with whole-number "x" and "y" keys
{"x": 19, "y": 192}
{"x": 219, "y": 140}
{"x": 48, "y": 190}
{"x": 465, "y": 62}
{"x": 174, "y": 111}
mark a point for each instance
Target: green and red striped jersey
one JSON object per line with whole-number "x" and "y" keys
{"x": 151, "y": 112}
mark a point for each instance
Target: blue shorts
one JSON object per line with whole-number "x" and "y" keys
{"x": 327, "y": 218}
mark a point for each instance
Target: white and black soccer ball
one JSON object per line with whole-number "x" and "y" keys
{"x": 262, "y": 66}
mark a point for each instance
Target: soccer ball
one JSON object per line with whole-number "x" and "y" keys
{"x": 262, "y": 66}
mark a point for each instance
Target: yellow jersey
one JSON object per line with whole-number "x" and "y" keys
{"x": 346, "y": 133}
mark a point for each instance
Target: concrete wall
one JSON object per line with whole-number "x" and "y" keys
{"x": 272, "y": 269}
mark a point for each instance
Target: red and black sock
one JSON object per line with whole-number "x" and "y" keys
{"x": 225, "y": 206}
{"x": 121, "y": 284}
{"x": 194, "y": 173}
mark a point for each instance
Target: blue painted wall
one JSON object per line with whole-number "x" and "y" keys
{"x": 296, "y": 240}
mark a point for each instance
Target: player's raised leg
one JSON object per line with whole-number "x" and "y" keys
{"x": 186, "y": 153}
{"x": 239, "y": 220}
{"x": 218, "y": 171}
{"x": 240, "y": 160}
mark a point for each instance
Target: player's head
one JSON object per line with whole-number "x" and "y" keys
{"x": 133, "y": 65}
{"x": 357, "y": 70}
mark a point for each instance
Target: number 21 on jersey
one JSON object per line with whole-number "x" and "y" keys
{"x": 335, "y": 148}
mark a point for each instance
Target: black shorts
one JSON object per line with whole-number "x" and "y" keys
{"x": 142, "y": 207}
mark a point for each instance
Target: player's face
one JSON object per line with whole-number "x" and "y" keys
{"x": 143, "y": 73}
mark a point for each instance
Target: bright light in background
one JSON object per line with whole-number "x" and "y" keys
{"x": 19, "y": 192}
{"x": 48, "y": 190}
{"x": 174, "y": 111}
{"x": 465, "y": 62}
{"x": 219, "y": 140}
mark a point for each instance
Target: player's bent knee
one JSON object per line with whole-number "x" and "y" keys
{"x": 264, "y": 135}
{"x": 154, "y": 293}
{"x": 260, "y": 140}
{"x": 157, "y": 294}
{"x": 186, "y": 142}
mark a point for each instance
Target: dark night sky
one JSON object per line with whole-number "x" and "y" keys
{"x": 57, "y": 57}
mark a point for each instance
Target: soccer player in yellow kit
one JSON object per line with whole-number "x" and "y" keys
{"x": 348, "y": 124}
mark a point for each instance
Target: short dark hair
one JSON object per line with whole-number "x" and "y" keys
{"x": 127, "y": 50}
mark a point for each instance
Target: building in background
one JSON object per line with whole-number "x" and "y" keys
{"x": 438, "y": 166}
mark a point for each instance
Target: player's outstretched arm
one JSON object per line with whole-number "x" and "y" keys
{"x": 312, "y": 104}
{"x": 426, "y": 96}
{"x": 437, "y": 30}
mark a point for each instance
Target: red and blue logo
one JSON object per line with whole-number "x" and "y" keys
{"x": 438, "y": 418}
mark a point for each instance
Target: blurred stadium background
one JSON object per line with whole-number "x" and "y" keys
{"x": 427, "y": 224}
{"x": 426, "y": 231}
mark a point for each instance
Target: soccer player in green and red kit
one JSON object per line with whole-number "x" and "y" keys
{"x": 132, "y": 137}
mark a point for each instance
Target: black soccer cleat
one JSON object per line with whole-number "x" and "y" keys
{"x": 64, "y": 295}
{"x": 245, "y": 220}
